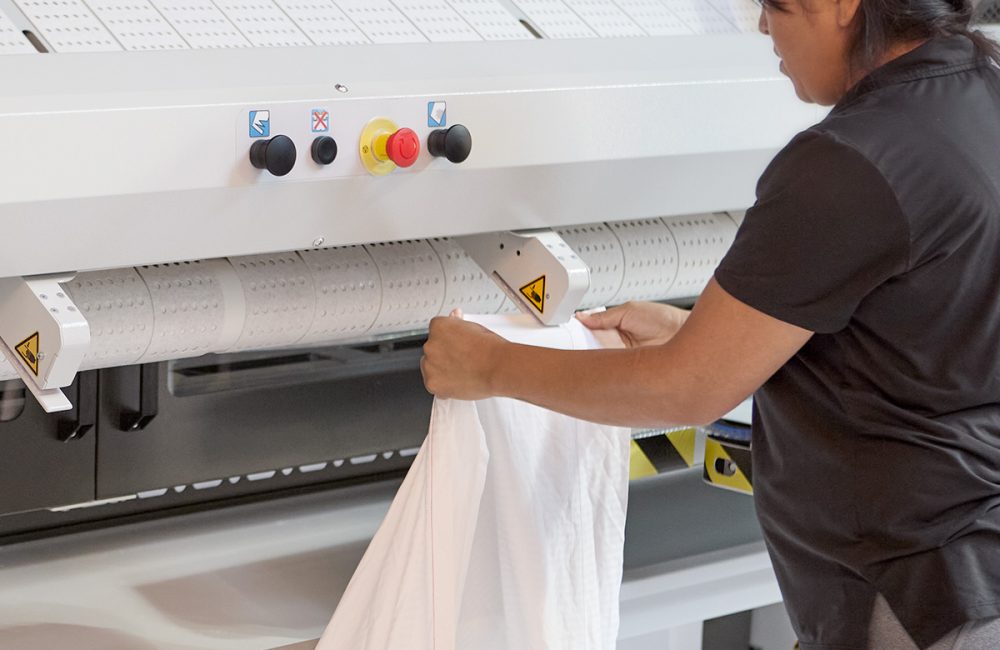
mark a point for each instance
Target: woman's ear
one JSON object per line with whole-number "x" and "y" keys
{"x": 847, "y": 11}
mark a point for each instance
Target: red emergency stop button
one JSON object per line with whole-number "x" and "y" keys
{"x": 403, "y": 147}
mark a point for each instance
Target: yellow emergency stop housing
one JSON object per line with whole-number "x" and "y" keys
{"x": 372, "y": 146}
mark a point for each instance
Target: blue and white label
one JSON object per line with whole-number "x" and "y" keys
{"x": 320, "y": 120}
{"x": 260, "y": 124}
{"x": 437, "y": 114}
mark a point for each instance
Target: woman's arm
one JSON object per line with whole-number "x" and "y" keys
{"x": 723, "y": 352}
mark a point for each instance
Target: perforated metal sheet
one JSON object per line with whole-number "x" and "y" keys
{"x": 745, "y": 14}
{"x": 12, "y": 41}
{"x": 280, "y": 300}
{"x": 68, "y": 26}
{"x": 137, "y": 25}
{"x": 491, "y": 19}
{"x": 172, "y": 311}
{"x": 601, "y": 251}
{"x": 381, "y": 21}
{"x": 650, "y": 253}
{"x": 466, "y": 286}
{"x": 605, "y": 18}
{"x": 437, "y": 20}
{"x": 189, "y": 309}
{"x": 654, "y": 17}
{"x": 263, "y": 23}
{"x": 413, "y": 285}
{"x": 118, "y": 307}
{"x": 323, "y": 22}
{"x": 201, "y": 24}
{"x": 348, "y": 292}
{"x": 702, "y": 241}
{"x": 701, "y": 16}
{"x": 555, "y": 19}
{"x": 988, "y": 12}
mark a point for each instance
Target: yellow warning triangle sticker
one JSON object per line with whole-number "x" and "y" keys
{"x": 28, "y": 351}
{"x": 534, "y": 291}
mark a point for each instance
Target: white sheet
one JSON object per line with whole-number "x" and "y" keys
{"x": 507, "y": 533}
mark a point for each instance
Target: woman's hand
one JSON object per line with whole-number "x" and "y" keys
{"x": 459, "y": 358}
{"x": 639, "y": 323}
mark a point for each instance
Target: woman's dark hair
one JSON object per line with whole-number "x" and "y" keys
{"x": 882, "y": 23}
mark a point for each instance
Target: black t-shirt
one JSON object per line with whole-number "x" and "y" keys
{"x": 876, "y": 448}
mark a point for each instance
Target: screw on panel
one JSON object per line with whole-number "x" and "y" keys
{"x": 318, "y": 242}
{"x": 341, "y": 88}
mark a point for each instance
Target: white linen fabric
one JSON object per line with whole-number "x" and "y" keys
{"x": 507, "y": 533}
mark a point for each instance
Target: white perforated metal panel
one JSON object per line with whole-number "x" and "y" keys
{"x": 491, "y": 19}
{"x": 68, "y": 26}
{"x": 601, "y": 251}
{"x": 189, "y": 309}
{"x": 702, "y": 241}
{"x": 437, "y": 20}
{"x": 605, "y": 18}
{"x": 12, "y": 41}
{"x": 263, "y": 23}
{"x": 745, "y": 14}
{"x": 654, "y": 17}
{"x": 137, "y": 25}
{"x": 201, "y": 23}
{"x": 554, "y": 19}
{"x": 280, "y": 300}
{"x": 701, "y": 17}
{"x": 466, "y": 286}
{"x": 412, "y": 285}
{"x": 323, "y": 22}
{"x": 118, "y": 307}
{"x": 348, "y": 292}
{"x": 650, "y": 259}
{"x": 381, "y": 21}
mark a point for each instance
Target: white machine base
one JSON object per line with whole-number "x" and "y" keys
{"x": 269, "y": 575}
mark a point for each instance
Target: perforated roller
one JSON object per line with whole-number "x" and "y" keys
{"x": 325, "y": 296}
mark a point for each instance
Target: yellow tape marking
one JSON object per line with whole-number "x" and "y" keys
{"x": 639, "y": 465}
{"x": 722, "y": 471}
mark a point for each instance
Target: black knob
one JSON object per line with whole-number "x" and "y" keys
{"x": 276, "y": 155}
{"x": 454, "y": 143}
{"x": 324, "y": 150}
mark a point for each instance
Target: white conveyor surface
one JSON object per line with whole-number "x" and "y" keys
{"x": 268, "y": 575}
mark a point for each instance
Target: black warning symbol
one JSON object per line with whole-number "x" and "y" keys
{"x": 28, "y": 351}
{"x": 534, "y": 291}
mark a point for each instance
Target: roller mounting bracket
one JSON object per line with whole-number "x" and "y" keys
{"x": 537, "y": 270}
{"x": 43, "y": 335}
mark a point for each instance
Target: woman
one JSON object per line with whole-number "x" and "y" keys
{"x": 861, "y": 301}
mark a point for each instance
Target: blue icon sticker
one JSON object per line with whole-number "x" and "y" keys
{"x": 320, "y": 120}
{"x": 437, "y": 114}
{"x": 260, "y": 124}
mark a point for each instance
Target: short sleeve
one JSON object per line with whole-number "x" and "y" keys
{"x": 826, "y": 230}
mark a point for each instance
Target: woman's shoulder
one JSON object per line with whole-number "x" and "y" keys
{"x": 819, "y": 157}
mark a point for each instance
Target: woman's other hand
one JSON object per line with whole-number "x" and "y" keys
{"x": 459, "y": 358}
{"x": 639, "y": 323}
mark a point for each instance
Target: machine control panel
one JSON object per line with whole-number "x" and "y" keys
{"x": 396, "y": 135}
